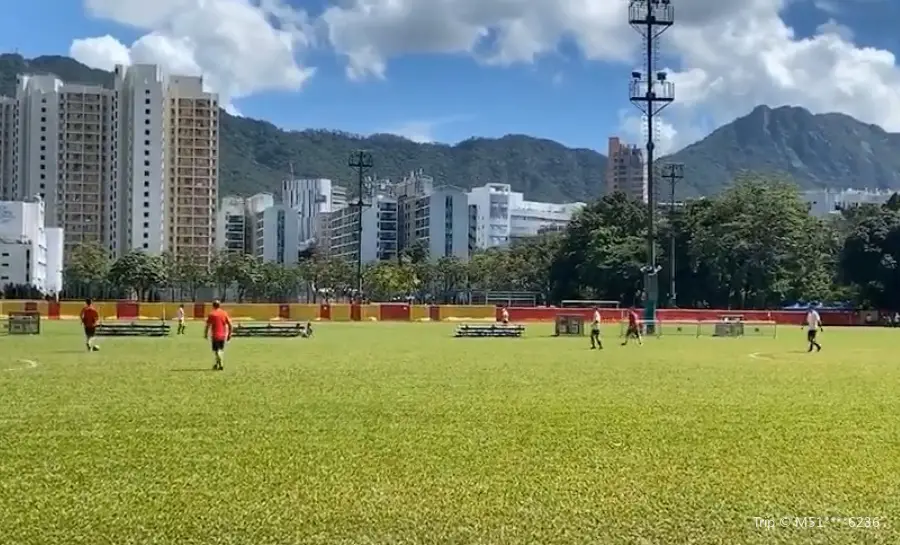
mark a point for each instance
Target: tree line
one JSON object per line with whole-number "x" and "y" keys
{"x": 753, "y": 246}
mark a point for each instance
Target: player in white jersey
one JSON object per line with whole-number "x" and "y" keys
{"x": 180, "y": 317}
{"x": 813, "y": 326}
{"x": 595, "y": 331}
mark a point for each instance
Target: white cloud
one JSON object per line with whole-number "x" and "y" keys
{"x": 423, "y": 130}
{"x": 241, "y": 47}
{"x": 731, "y": 54}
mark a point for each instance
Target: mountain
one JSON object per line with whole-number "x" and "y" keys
{"x": 832, "y": 151}
{"x": 817, "y": 151}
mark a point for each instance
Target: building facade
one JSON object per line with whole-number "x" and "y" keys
{"x": 192, "y": 177}
{"x": 626, "y": 170}
{"x": 107, "y": 161}
{"x": 501, "y": 215}
{"x": 236, "y": 222}
{"x": 823, "y": 202}
{"x": 30, "y": 252}
{"x": 379, "y": 231}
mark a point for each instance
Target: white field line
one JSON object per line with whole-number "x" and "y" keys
{"x": 29, "y": 364}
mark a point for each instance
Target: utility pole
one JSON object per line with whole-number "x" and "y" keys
{"x": 674, "y": 172}
{"x": 360, "y": 161}
{"x": 651, "y": 92}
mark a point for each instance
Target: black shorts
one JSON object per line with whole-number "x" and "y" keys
{"x": 218, "y": 345}
{"x": 90, "y": 331}
{"x": 811, "y": 335}
{"x": 633, "y": 331}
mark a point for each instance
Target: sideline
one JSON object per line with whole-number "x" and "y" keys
{"x": 761, "y": 356}
{"x": 29, "y": 364}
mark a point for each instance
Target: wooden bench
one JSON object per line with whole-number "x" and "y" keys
{"x": 133, "y": 329}
{"x": 272, "y": 329}
{"x": 489, "y": 330}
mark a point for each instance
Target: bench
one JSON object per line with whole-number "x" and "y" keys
{"x": 272, "y": 329}
{"x": 133, "y": 329}
{"x": 489, "y": 330}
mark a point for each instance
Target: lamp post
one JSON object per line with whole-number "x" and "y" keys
{"x": 651, "y": 92}
{"x": 360, "y": 161}
{"x": 674, "y": 172}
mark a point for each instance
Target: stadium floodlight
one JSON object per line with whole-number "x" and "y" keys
{"x": 651, "y": 91}
{"x": 360, "y": 161}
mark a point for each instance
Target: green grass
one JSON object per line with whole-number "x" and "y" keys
{"x": 398, "y": 433}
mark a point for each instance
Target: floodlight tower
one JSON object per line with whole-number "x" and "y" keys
{"x": 360, "y": 161}
{"x": 651, "y": 92}
{"x": 674, "y": 172}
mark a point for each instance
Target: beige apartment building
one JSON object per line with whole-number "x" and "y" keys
{"x": 192, "y": 175}
{"x": 626, "y": 170}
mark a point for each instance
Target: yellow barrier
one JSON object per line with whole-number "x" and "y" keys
{"x": 340, "y": 313}
{"x": 370, "y": 313}
{"x": 305, "y": 313}
{"x": 454, "y": 313}
{"x": 419, "y": 313}
{"x": 251, "y": 311}
{"x": 72, "y": 309}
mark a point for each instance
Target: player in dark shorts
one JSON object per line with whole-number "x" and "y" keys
{"x": 634, "y": 328}
{"x": 89, "y": 320}
{"x": 218, "y": 328}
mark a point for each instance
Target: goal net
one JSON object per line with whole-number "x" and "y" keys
{"x": 706, "y": 328}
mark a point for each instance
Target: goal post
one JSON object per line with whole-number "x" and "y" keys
{"x": 705, "y": 328}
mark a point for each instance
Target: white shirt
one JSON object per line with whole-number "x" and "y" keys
{"x": 597, "y": 317}
{"x": 813, "y": 322}
{"x": 180, "y": 314}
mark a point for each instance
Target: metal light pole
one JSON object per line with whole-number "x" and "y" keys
{"x": 651, "y": 92}
{"x": 674, "y": 172}
{"x": 361, "y": 161}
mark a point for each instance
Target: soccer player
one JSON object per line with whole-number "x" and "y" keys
{"x": 813, "y": 326}
{"x": 219, "y": 324}
{"x": 595, "y": 331}
{"x": 634, "y": 329}
{"x": 504, "y": 316}
{"x": 89, "y": 319}
{"x": 180, "y": 318}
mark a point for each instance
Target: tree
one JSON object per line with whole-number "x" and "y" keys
{"x": 139, "y": 273}
{"x": 870, "y": 260}
{"x": 87, "y": 268}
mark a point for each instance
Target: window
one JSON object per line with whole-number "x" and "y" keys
{"x": 146, "y": 204}
{"x": 147, "y": 133}
{"x": 146, "y": 184}
{"x": 146, "y": 214}
{"x": 147, "y": 172}
{"x": 146, "y": 225}
{"x": 146, "y": 142}
{"x": 146, "y": 235}
{"x": 43, "y": 177}
{"x": 43, "y": 148}
{"x": 146, "y": 122}
{"x": 43, "y": 119}
{"x": 147, "y": 102}
{"x": 146, "y": 245}
{"x": 43, "y": 157}
{"x": 146, "y": 163}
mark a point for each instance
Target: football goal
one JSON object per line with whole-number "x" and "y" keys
{"x": 707, "y": 328}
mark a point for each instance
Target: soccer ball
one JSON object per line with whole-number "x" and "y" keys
{"x": 95, "y": 348}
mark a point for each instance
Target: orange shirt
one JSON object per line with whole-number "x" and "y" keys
{"x": 219, "y": 323}
{"x": 89, "y": 316}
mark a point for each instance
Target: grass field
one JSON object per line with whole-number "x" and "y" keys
{"x": 398, "y": 433}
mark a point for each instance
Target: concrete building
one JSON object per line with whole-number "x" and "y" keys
{"x": 191, "y": 122}
{"x": 310, "y": 198}
{"x": 626, "y": 170}
{"x": 128, "y": 167}
{"x": 137, "y": 216}
{"x": 823, "y": 202}
{"x": 65, "y": 135}
{"x": 8, "y": 119}
{"x": 236, "y": 222}
{"x": 30, "y": 252}
{"x": 502, "y": 215}
{"x": 436, "y": 217}
{"x": 379, "y": 231}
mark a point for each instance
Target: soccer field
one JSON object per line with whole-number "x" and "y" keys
{"x": 398, "y": 433}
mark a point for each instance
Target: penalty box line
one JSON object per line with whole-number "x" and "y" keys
{"x": 29, "y": 364}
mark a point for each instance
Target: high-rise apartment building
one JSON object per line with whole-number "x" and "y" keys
{"x": 191, "y": 140}
{"x": 64, "y": 140}
{"x": 7, "y": 149}
{"x": 136, "y": 202}
{"x": 236, "y": 222}
{"x": 129, "y": 166}
{"x": 626, "y": 170}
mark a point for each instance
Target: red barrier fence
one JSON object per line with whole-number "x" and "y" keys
{"x": 403, "y": 312}
{"x": 785, "y": 317}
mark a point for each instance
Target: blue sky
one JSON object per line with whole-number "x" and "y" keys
{"x": 569, "y": 91}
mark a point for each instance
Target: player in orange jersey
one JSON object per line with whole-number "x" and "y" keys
{"x": 90, "y": 318}
{"x": 218, "y": 325}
